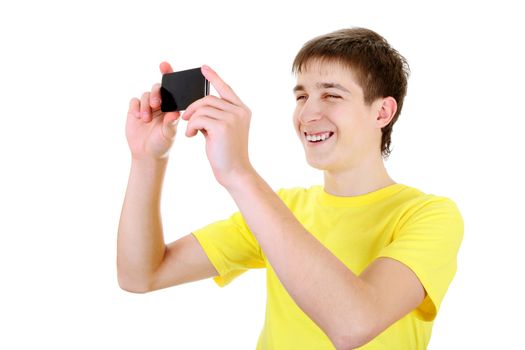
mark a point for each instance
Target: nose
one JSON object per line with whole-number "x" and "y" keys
{"x": 310, "y": 112}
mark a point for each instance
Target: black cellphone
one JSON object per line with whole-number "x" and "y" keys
{"x": 180, "y": 89}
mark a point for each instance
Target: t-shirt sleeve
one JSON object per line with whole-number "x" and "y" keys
{"x": 231, "y": 248}
{"x": 427, "y": 242}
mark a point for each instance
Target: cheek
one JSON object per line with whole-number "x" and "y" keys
{"x": 295, "y": 121}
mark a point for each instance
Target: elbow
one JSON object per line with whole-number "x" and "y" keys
{"x": 355, "y": 336}
{"x": 131, "y": 285}
{"x": 133, "y": 288}
{"x": 350, "y": 341}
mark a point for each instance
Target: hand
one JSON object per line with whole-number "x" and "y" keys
{"x": 225, "y": 123}
{"x": 149, "y": 131}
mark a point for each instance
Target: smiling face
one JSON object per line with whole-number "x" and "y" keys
{"x": 337, "y": 128}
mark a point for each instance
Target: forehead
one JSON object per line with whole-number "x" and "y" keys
{"x": 316, "y": 71}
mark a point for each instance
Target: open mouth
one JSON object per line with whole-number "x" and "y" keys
{"x": 319, "y": 137}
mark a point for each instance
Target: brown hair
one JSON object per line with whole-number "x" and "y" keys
{"x": 380, "y": 70}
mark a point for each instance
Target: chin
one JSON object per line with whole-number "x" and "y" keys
{"x": 318, "y": 164}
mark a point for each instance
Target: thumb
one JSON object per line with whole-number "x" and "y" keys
{"x": 169, "y": 124}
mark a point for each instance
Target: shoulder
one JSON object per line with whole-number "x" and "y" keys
{"x": 417, "y": 202}
{"x": 429, "y": 214}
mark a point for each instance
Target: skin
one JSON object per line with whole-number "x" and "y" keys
{"x": 350, "y": 309}
{"x": 351, "y": 160}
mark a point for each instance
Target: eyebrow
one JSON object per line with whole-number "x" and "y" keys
{"x": 320, "y": 86}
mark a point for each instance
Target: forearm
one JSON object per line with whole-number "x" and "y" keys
{"x": 321, "y": 285}
{"x": 140, "y": 243}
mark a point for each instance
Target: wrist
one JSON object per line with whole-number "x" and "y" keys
{"x": 241, "y": 179}
{"x": 148, "y": 162}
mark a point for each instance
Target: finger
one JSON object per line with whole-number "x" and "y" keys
{"x": 224, "y": 90}
{"x": 165, "y": 68}
{"x": 154, "y": 97}
{"x": 211, "y": 101}
{"x": 145, "y": 109}
{"x": 212, "y": 113}
{"x": 200, "y": 122}
{"x": 134, "y": 105}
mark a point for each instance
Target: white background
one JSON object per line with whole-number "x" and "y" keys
{"x": 67, "y": 72}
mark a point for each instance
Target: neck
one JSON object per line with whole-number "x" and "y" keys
{"x": 367, "y": 177}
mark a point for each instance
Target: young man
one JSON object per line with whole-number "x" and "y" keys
{"x": 359, "y": 262}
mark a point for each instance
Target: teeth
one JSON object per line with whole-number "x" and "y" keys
{"x": 319, "y": 137}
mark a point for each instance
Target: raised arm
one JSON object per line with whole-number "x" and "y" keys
{"x": 144, "y": 261}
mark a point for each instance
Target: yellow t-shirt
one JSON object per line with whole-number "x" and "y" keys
{"x": 422, "y": 231}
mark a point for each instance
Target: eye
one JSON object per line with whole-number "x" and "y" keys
{"x": 300, "y": 97}
{"x": 333, "y": 96}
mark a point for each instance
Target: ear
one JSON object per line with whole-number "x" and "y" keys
{"x": 386, "y": 110}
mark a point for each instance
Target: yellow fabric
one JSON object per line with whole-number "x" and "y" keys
{"x": 422, "y": 231}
